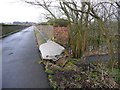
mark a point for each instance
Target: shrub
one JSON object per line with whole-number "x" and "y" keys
{"x": 43, "y": 23}
{"x": 58, "y": 22}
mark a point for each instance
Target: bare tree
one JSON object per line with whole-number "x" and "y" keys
{"x": 45, "y": 4}
{"x": 80, "y": 15}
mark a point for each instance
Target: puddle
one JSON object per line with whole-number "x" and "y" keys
{"x": 10, "y": 53}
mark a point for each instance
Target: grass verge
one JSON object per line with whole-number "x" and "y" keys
{"x": 40, "y": 40}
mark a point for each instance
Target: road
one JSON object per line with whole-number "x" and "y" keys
{"x": 19, "y": 61}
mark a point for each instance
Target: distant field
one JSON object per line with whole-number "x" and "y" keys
{"x": 8, "y": 29}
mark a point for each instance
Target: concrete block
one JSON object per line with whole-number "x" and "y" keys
{"x": 51, "y": 50}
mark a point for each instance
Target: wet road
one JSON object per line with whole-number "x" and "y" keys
{"x": 19, "y": 62}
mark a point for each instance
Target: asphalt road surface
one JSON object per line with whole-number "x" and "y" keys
{"x": 19, "y": 62}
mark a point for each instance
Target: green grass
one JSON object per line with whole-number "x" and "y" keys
{"x": 115, "y": 73}
{"x": 40, "y": 39}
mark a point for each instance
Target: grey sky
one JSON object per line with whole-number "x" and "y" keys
{"x": 13, "y": 10}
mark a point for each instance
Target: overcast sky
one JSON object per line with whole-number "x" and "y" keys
{"x": 13, "y": 10}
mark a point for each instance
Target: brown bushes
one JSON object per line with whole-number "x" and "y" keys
{"x": 61, "y": 35}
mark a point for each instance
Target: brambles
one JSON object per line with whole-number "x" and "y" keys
{"x": 80, "y": 75}
{"x": 61, "y": 35}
